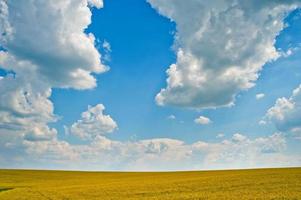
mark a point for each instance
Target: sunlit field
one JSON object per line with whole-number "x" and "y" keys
{"x": 232, "y": 184}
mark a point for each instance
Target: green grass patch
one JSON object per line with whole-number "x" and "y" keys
{"x": 5, "y": 189}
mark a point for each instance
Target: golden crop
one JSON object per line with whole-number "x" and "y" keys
{"x": 232, "y": 184}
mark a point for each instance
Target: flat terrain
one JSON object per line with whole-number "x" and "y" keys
{"x": 234, "y": 184}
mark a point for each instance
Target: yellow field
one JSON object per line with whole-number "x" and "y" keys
{"x": 234, "y": 184}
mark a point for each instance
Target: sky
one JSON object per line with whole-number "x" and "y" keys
{"x": 150, "y": 85}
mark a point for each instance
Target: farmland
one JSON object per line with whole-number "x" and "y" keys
{"x": 229, "y": 184}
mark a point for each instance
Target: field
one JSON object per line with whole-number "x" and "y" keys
{"x": 232, "y": 184}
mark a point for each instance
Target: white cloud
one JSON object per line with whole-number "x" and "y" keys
{"x": 262, "y": 122}
{"x": 93, "y": 123}
{"x": 96, "y": 3}
{"x": 260, "y": 96}
{"x": 107, "y": 50}
{"x": 220, "y": 135}
{"x": 171, "y": 117}
{"x": 238, "y": 137}
{"x": 221, "y": 47}
{"x": 50, "y": 36}
{"x": 106, "y": 45}
{"x": 45, "y": 46}
{"x": 162, "y": 154}
{"x": 296, "y": 132}
{"x": 286, "y": 113}
{"x": 25, "y": 108}
{"x": 202, "y": 120}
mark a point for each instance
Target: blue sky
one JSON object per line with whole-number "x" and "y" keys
{"x": 139, "y": 58}
{"x": 138, "y": 61}
{"x": 144, "y": 39}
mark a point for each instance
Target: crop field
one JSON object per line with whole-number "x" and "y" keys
{"x": 231, "y": 184}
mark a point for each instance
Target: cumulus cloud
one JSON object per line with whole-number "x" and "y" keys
{"x": 221, "y": 47}
{"x": 25, "y": 108}
{"x": 260, "y": 96}
{"x": 93, "y": 122}
{"x": 43, "y": 45}
{"x": 202, "y": 120}
{"x": 286, "y": 113}
{"x": 238, "y": 137}
{"x": 50, "y": 36}
{"x": 163, "y": 154}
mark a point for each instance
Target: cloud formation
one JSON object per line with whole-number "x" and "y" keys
{"x": 286, "y": 113}
{"x": 202, "y": 120}
{"x": 25, "y": 108}
{"x": 171, "y": 117}
{"x": 221, "y": 47}
{"x": 260, "y": 96}
{"x": 50, "y": 36}
{"x": 161, "y": 154}
{"x": 93, "y": 123}
{"x": 43, "y": 45}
